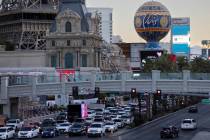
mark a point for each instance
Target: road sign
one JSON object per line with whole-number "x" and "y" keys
{"x": 205, "y": 101}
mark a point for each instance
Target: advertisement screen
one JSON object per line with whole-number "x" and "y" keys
{"x": 152, "y": 55}
{"x": 84, "y": 110}
{"x": 180, "y": 36}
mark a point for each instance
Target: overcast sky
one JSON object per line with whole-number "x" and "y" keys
{"x": 124, "y": 11}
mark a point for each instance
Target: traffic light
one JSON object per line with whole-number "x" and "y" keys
{"x": 158, "y": 94}
{"x": 75, "y": 91}
{"x": 133, "y": 92}
{"x": 97, "y": 91}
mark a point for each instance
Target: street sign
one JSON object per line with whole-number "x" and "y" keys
{"x": 205, "y": 101}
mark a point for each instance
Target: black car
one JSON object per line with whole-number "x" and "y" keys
{"x": 193, "y": 109}
{"x": 169, "y": 132}
{"x": 50, "y": 132}
{"x": 77, "y": 129}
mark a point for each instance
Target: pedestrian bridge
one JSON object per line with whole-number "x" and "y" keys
{"x": 186, "y": 83}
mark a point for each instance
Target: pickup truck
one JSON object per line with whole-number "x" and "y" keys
{"x": 15, "y": 123}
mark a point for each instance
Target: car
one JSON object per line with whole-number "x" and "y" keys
{"x": 111, "y": 127}
{"x": 77, "y": 129}
{"x": 193, "y": 109}
{"x": 17, "y": 123}
{"x": 126, "y": 119}
{"x": 89, "y": 120}
{"x": 169, "y": 132}
{"x": 91, "y": 113}
{"x": 107, "y": 119}
{"x": 50, "y": 132}
{"x": 113, "y": 117}
{"x": 28, "y": 132}
{"x": 96, "y": 129}
{"x": 63, "y": 127}
{"x": 188, "y": 124}
{"x": 61, "y": 121}
{"x": 6, "y": 133}
{"x": 119, "y": 122}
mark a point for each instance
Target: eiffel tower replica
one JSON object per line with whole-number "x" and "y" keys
{"x": 25, "y": 23}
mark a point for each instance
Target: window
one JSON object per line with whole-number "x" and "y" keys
{"x": 69, "y": 60}
{"x": 68, "y": 43}
{"x": 68, "y": 26}
{"x": 83, "y": 60}
{"x": 53, "y": 42}
{"x": 84, "y": 42}
{"x": 54, "y": 61}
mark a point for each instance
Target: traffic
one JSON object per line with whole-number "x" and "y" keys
{"x": 96, "y": 122}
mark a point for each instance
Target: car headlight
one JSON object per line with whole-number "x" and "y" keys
{"x": 51, "y": 132}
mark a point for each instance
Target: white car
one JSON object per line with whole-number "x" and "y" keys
{"x": 111, "y": 127}
{"x": 188, "y": 124}
{"x": 126, "y": 119}
{"x": 63, "y": 127}
{"x": 91, "y": 113}
{"x": 6, "y": 133}
{"x": 28, "y": 132}
{"x": 89, "y": 120}
{"x": 15, "y": 122}
{"x": 119, "y": 122}
{"x": 96, "y": 129}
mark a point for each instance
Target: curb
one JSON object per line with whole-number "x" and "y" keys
{"x": 150, "y": 122}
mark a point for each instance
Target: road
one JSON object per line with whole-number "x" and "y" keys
{"x": 151, "y": 131}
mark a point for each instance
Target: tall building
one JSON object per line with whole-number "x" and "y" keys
{"x": 180, "y": 36}
{"x": 105, "y": 26}
{"x": 205, "y": 52}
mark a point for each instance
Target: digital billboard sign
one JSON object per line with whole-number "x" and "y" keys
{"x": 180, "y": 32}
{"x": 152, "y": 55}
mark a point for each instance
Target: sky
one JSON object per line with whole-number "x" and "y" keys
{"x": 124, "y": 11}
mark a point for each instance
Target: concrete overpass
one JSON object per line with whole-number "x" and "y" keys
{"x": 179, "y": 84}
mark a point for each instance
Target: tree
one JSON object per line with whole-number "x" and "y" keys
{"x": 164, "y": 64}
{"x": 200, "y": 65}
{"x": 182, "y": 63}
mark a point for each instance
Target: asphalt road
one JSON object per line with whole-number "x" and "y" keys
{"x": 151, "y": 130}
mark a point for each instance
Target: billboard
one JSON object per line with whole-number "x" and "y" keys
{"x": 152, "y": 55}
{"x": 180, "y": 35}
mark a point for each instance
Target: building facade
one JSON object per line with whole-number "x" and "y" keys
{"x": 73, "y": 41}
{"x": 105, "y": 26}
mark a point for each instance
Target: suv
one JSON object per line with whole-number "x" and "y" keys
{"x": 96, "y": 129}
{"x": 188, "y": 124}
{"x": 169, "y": 132}
{"x": 193, "y": 109}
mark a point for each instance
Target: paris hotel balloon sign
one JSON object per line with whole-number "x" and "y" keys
{"x": 152, "y": 21}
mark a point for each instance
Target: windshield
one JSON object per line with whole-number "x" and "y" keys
{"x": 2, "y": 130}
{"x": 12, "y": 121}
{"x": 98, "y": 120}
{"x": 109, "y": 123}
{"x": 25, "y": 129}
{"x": 186, "y": 121}
{"x": 95, "y": 125}
{"x": 117, "y": 120}
{"x": 48, "y": 129}
{"x": 88, "y": 118}
{"x": 166, "y": 129}
{"x": 65, "y": 124}
{"x": 76, "y": 125}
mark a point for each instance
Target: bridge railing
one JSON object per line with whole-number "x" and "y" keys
{"x": 171, "y": 76}
{"x": 200, "y": 76}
